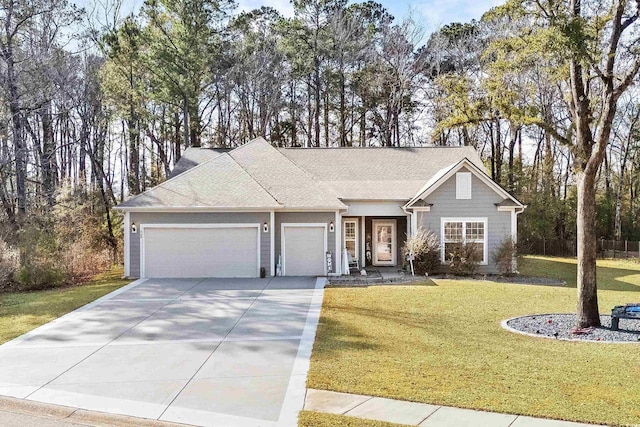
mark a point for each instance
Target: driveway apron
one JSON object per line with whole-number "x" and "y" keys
{"x": 223, "y": 352}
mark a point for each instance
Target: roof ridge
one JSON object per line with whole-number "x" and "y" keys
{"x": 253, "y": 178}
{"x": 312, "y": 177}
{"x": 253, "y": 141}
{"x": 188, "y": 171}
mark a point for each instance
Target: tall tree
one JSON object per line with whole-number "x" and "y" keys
{"x": 598, "y": 40}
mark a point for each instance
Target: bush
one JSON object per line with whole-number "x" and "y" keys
{"x": 9, "y": 264}
{"x": 505, "y": 257}
{"x": 464, "y": 260}
{"x": 62, "y": 246}
{"x": 424, "y": 246}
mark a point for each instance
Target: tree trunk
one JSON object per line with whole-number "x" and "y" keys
{"x": 48, "y": 156}
{"x": 588, "y": 313}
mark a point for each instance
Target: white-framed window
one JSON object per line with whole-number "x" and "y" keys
{"x": 463, "y": 185}
{"x": 350, "y": 236}
{"x": 457, "y": 232}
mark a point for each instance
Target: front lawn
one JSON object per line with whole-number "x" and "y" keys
{"x": 444, "y": 345}
{"x": 317, "y": 419}
{"x": 21, "y": 312}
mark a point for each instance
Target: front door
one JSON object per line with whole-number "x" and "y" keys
{"x": 384, "y": 242}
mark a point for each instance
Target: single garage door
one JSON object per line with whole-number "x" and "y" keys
{"x": 304, "y": 250}
{"x": 221, "y": 251}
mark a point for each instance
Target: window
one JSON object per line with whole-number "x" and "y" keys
{"x": 464, "y": 231}
{"x": 351, "y": 237}
{"x": 463, "y": 185}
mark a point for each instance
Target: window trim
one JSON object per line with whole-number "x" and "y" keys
{"x": 464, "y": 221}
{"x": 344, "y": 235}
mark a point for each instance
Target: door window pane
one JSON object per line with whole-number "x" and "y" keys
{"x": 384, "y": 240}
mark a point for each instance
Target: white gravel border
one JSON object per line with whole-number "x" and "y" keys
{"x": 510, "y": 329}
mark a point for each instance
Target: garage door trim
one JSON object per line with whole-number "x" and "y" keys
{"x": 196, "y": 226}
{"x": 298, "y": 225}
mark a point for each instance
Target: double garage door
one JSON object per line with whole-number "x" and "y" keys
{"x": 224, "y": 251}
{"x": 228, "y": 251}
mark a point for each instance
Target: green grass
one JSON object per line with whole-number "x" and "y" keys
{"x": 444, "y": 345}
{"x": 21, "y": 312}
{"x": 318, "y": 419}
{"x": 612, "y": 274}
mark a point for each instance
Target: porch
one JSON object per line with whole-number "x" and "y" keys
{"x": 375, "y": 242}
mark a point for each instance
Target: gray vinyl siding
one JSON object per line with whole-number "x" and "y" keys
{"x": 141, "y": 218}
{"x": 306, "y": 217}
{"x": 481, "y": 205}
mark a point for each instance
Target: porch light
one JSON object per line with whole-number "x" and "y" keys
{"x": 134, "y": 228}
{"x": 265, "y": 227}
{"x": 331, "y": 227}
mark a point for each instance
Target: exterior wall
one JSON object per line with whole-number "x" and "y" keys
{"x": 481, "y": 205}
{"x": 307, "y": 217}
{"x": 401, "y": 235}
{"x": 140, "y": 218}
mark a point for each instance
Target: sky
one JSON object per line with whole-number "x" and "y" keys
{"x": 432, "y": 13}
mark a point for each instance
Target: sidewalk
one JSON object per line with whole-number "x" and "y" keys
{"x": 420, "y": 414}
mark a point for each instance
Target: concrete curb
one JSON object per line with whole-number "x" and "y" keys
{"x": 78, "y": 416}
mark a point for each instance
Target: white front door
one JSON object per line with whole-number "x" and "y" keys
{"x": 384, "y": 242}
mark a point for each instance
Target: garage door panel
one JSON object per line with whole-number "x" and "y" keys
{"x": 201, "y": 252}
{"x": 304, "y": 251}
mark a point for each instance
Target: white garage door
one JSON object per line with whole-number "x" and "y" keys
{"x": 304, "y": 250}
{"x": 200, "y": 252}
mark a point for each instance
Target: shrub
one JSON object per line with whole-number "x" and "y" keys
{"x": 505, "y": 257}
{"x": 425, "y": 248}
{"x": 9, "y": 263}
{"x": 464, "y": 260}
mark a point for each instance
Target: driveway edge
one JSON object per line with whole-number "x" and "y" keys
{"x": 297, "y": 389}
{"x": 66, "y": 414}
{"x": 42, "y": 328}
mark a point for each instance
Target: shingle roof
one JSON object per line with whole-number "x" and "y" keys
{"x": 378, "y": 173}
{"x": 285, "y": 181}
{"x": 217, "y": 183}
{"x": 257, "y": 175}
{"x": 193, "y": 156}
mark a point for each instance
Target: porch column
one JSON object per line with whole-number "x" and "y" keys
{"x": 414, "y": 222}
{"x": 339, "y": 244}
{"x": 363, "y": 234}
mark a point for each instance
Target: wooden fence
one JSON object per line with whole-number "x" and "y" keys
{"x": 558, "y": 247}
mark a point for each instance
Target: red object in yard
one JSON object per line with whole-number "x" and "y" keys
{"x": 549, "y": 321}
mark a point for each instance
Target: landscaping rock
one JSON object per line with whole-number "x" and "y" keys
{"x": 562, "y": 327}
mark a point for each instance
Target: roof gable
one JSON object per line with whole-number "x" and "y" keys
{"x": 446, "y": 173}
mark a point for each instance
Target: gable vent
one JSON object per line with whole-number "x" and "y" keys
{"x": 463, "y": 185}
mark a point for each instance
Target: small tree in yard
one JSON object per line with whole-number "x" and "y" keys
{"x": 423, "y": 251}
{"x": 505, "y": 257}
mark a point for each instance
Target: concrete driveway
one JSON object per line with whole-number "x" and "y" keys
{"x": 230, "y": 352}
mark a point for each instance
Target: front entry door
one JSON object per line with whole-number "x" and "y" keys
{"x": 384, "y": 242}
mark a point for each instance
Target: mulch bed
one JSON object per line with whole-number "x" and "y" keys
{"x": 562, "y": 327}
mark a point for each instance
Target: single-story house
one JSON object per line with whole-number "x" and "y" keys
{"x": 258, "y": 209}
